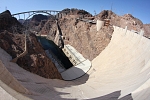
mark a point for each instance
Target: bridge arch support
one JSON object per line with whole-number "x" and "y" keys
{"x": 28, "y": 14}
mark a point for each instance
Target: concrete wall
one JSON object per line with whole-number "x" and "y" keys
{"x": 124, "y": 65}
{"x": 74, "y": 56}
{"x": 99, "y": 24}
{"x": 81, "y": 65}
{"x": 10, "y": 87}
{"x": 76, "y": 71}
{"x": 120, "y": 71}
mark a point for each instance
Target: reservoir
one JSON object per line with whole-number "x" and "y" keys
{"x": 59, "y": 54}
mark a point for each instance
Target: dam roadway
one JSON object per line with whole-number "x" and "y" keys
{"x": 121, "y": 71}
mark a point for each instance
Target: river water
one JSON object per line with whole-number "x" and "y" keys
{"x": 56, "y": 51}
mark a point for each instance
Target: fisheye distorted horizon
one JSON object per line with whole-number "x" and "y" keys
{"x": 138, "y": 8}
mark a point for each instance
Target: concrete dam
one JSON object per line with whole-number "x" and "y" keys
{"x": 121, "y": 71}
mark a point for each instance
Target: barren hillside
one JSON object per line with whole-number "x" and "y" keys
{"x": 13, "y": 42}
{"x": 83, "y": 35}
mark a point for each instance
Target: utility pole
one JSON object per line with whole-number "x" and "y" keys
{"x": 6, "y": 8}
{"x": 132, "y": 11}
{"x": 101, "y": 8}
{"x": 94, "y": 13}
{"x": 111, "y": 6}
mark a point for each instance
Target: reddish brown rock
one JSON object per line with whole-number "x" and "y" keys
{"x": 12, "y": 43}
{"x": 147, "y": 30}
{"x": 7, "y": 22}
{"x": 36, "y": 60}
{"x": 84, "y": 37}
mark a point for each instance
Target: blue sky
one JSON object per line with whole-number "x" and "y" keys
{"x": 138, "y": 8}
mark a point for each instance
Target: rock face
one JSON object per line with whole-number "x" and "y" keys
{"x": 7, "y": 22}
{"x": 49, "y": 27}
{"x": 105, "y": 14}
{"x": 12, "y": 43}
{"x": 39, "y": 17}
{"x": 147, "y": 30}
{"x": 83, "y": 35}
{"x": 74, "y": 11}
{"x": 36, "y": 22}
{"x": 122, "y": 21}
{"x": 36, "y": 60}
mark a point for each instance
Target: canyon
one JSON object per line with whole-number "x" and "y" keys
{"x": 118, "y": 53}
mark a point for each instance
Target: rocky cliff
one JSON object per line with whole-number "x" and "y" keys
{"x": 77, "y": 12}
{"x": 147, "y": 30}
{"x": 122, "y": 21}
{"x": 36, "y": 60}
{"x": 12, "y": 43}
{"x": 83, "y": 35}
{"x": 79, "y": 33}
{"x": 7, "y": 22}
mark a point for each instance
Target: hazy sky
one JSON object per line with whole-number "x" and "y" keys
{"x": 138, "y": 8}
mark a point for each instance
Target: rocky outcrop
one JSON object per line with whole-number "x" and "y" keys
{"x": 147, "y": 30}
{"x": 81, "y": 35}
{"x": 36, "y": 23}
{"x": 36, "y": 61}
{"x": 39, "y": 17}
{"x": 41, "y": 24}
{"x": 131, "y": 22}
{"x": 75, "y": 11}
{"x": 12, "y": 43}
{"x": 122, "y": 21}
{"x": 49, "y": 27}
{"x": 105, "y": 14}
{"x": 7, "y": 22}
{"x": 84, "y": 37}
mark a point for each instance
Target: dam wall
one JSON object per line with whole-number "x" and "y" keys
{"x": 124, "y": 64}
{"x": 81, "y": 65}
{"x": 10, "y": 88}
{"x": 120, "y": 72}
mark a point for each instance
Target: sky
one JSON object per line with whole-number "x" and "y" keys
{"x": 138, "y": 8}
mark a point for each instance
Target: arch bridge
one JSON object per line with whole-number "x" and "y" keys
{"x": 27, "y": 14}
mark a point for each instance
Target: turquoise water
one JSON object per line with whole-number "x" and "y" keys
{"x": 50, "y": 45}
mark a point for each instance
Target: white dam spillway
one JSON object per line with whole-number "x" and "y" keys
{"x": 121, "y": 71}
{"x": 81, "y": 65}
